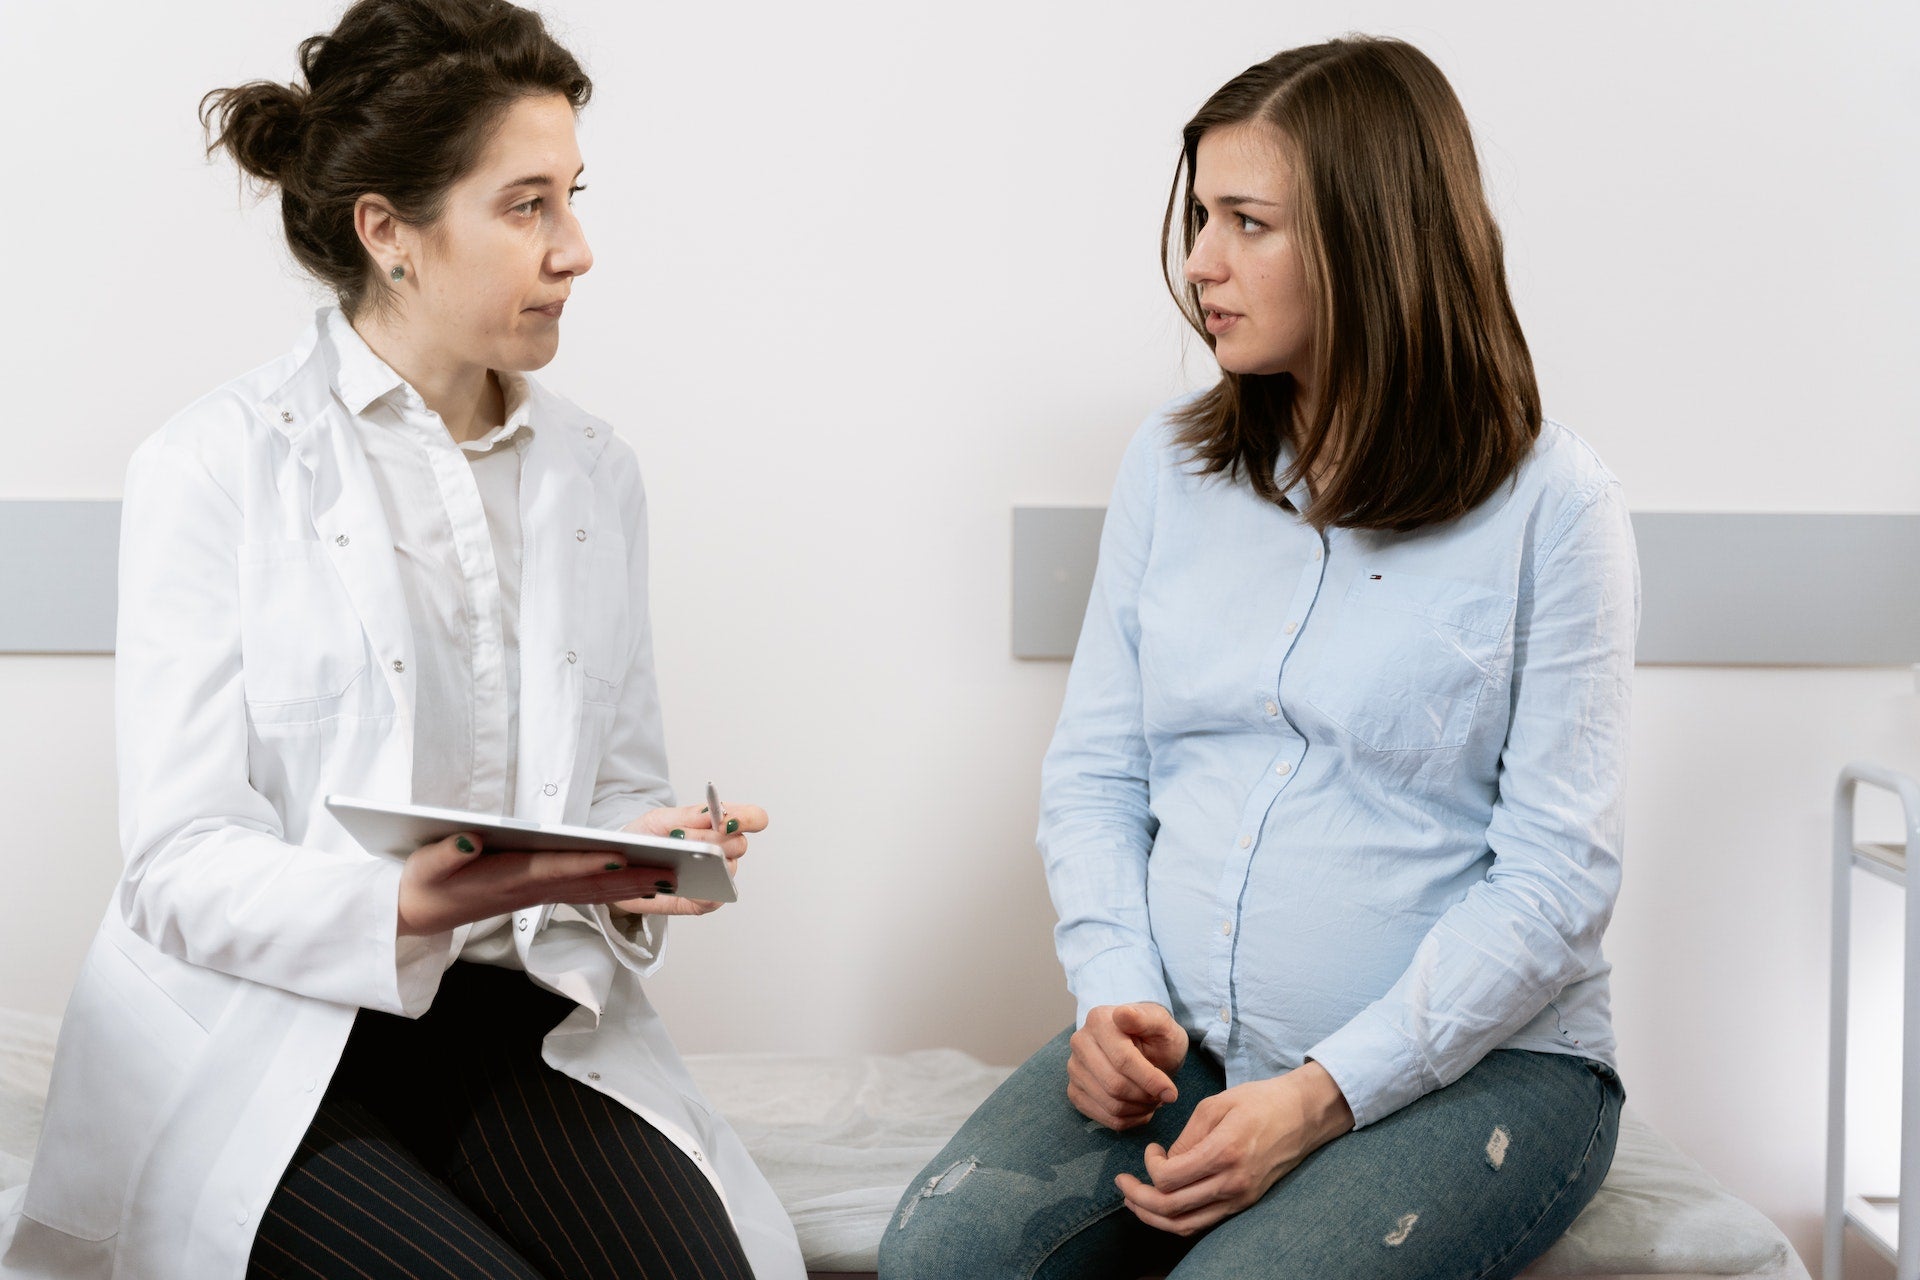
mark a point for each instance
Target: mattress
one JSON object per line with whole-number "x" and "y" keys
{"x": 840, "y": 1137}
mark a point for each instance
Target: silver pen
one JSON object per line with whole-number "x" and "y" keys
{"x": 713, "y": 810}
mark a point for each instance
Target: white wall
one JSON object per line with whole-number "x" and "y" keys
{"x": 887, "y": 271}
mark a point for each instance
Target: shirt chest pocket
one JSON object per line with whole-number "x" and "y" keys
{"x": 301, "y": 645}
{"x": 1405, "y": 663}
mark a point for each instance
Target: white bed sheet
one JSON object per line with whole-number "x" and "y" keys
{"x": 841, "y": 1137}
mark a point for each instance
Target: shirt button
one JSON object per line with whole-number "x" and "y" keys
{"x": 1226, "y": 928}
{"x": 241, "y": 1217}
{"x": 1246, "y": 841}
{"x": 549, "y": 789}
{"x": 398, "y": 665}
{"x": 579, "y": 535}
{"x": 1273, "y": 708}
{"x": 1316, "y": 553}
{"x": 572, "y": 656}
{"x": 1292, "y": 627}
{"x": 1283, "y": 768}
{"x": 1226, "y": 1014}
{"x": 340, "y": 541}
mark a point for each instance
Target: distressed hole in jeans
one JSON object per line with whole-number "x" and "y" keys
{"x": 943, "y": 1183}
{"x": 1401, "y": 1230}
{"x": 1497, "y": 1147}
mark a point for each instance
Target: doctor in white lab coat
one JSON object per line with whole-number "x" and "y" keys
{"x": 270, "y": 653}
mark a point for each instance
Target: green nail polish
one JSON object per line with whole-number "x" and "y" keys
{"x": 613, "y": 866}
{"x": 733, "y": 825}
{"x": 703, "y": 808}
{"x": 678, "y": 833}
{"x": 463, "y": 844}
{"x": 663, "y": 885}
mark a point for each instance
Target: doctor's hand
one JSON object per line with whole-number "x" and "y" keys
{"x": 448, "y": 883}
{"x": 1236, "y": 1145}
{"x": 693, "y": 822}
{"x": 1122, "y": 1063}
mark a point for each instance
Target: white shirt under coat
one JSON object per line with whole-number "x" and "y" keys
{"x": 267, "y": 657}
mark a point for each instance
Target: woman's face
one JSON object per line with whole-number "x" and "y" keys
{"x": 491, "y": 275}
{"x": 1246, "y": 260}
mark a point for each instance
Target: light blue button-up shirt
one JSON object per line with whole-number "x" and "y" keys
{"x": 1353, "y": 797}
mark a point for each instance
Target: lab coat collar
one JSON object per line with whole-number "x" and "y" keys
{"x": 346, "y": 510}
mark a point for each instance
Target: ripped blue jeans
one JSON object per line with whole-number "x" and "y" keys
{"x": 1471, "y": 1182}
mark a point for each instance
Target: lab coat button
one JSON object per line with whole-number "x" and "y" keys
{"x": 698, "y": 1156}
{"x": 522, "y": 924}
{"x": 579, "y": 535}
{"x": 313, "y": 1082}
{"x": 593, "y": 1075}
{"x": 589, "y": 433}
{"x": 549, "y": 789}
{"x": 399, "y": 666}
{"x": 340, "y": 541}
{"x": 241, "y": 1217}
{"x": 1246, "y": 842}
{"x": 285, "y": 416}
{"x": 572, "y": 656}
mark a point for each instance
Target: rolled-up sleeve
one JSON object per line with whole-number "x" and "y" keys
{"x": 1096, "y": 825}
{"x": 1494, "y": 960}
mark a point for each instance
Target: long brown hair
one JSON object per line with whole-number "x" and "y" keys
{"x": 1424, "y": 391}
{"x": 399, "y": 101}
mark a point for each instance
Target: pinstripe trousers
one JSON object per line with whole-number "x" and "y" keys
{"x": 444, "y": 1147}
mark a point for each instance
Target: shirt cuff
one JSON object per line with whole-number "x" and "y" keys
{"x": 407, "y": 986}
{"x": 1123, "y": 975}
{"x": 1377, "y": 1068}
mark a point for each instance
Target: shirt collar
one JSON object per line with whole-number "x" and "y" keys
{"x": 362, "y": 378}
{"x": 1298, "y": 496}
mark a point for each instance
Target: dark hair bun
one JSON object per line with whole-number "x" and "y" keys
{"x": 259, "y": 124}
{"x": 398, "y": 102}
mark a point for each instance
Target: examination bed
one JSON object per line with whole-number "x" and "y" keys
{"x": 841, "y": 1137}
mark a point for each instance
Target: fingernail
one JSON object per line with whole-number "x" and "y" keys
{"x": 613, "y": 866}
{"x": 678, "y": 833}
{"x": 464, "y": 845}
{"x": 733, "y": 825}
{"x": 663, "y": 885}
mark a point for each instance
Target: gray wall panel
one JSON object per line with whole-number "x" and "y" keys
{"x": 57, "y": 567}
{"x": 1716, "y": 589}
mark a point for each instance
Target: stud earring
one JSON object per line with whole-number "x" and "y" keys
{"x": 398, "y": 273}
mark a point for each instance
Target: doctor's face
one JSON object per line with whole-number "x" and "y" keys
{"x": 493, "y": 272}
{"x": 1246, "y": 259}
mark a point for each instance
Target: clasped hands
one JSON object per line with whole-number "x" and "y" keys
{"x": 1235, "y": 1146}
{"x": 448, "y": 883}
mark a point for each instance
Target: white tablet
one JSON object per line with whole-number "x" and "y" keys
{"x": 399, "y": 829}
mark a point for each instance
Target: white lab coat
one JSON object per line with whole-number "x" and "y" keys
{"x": 264, "y": 662}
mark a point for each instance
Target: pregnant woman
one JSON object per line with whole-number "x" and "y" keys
{"x": 1332, "y": 817}
{"x": 389, "y": 564}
